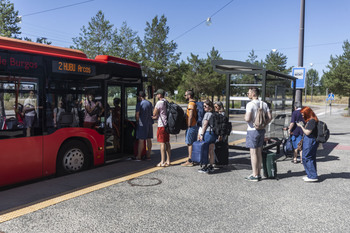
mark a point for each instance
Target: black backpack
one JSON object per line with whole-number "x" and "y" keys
{"x": 322, "y": 132}
{"x": 176, "y": 118}
{"x": 220, "y": 124}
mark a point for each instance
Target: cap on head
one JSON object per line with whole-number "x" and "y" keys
{"x": 160, "y": 91}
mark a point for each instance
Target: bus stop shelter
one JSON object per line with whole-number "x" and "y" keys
{"x": 276, "y": 88}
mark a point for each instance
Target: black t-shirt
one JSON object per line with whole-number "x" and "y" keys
{"x": 312, "y": 125}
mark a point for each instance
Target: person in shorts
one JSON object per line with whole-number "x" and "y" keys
{"x": 192, "y": 128}
{"x": 163, "y": 136}
{"x": 255, "y": 138}
{"x": 295, "y": 131}
{"x": 144, "y": 130}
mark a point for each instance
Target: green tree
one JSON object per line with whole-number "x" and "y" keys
{"x": 97, "y": 38}
{"x": 253, "y": 59}
{"x": 213, "y": 83}
{"x": 158, "y": 56}
{"x": 312, "y": 80}
{"x": 41, "y": 40}
{"x": 276, "y": 61}
{"x": 193, "y": 78}
{"x": 9, "y": 20}
{"x": 337, "y": 78}
{"x": 125, "y": 44}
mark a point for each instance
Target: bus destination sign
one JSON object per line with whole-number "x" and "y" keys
{"x": 73, "y": 68}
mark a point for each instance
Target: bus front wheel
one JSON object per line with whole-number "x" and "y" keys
{"x": 73, "y": 157}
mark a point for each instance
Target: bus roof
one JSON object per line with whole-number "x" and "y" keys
{"x": 50, "y": 50}
{"x": 118, "y": 60}
{"x": 37, "y": 47}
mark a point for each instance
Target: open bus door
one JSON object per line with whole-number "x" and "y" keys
{"x": 120, "y": 123}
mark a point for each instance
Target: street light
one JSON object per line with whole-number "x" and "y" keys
{"x": 312, "y": 81}
{"x": 208, "y": 21}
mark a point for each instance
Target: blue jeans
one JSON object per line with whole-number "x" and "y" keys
{"x": 210, "y": 137}
{"x": 309, "y": 156}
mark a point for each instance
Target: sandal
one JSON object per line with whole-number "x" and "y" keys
{"x": 166, "y": 164}
{"x": 160, "y": 165}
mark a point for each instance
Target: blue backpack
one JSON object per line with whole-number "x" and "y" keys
{"x": 200, "y": 113}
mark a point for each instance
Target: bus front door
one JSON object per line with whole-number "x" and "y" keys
{"x": 113, "y": 123}
{"x": 120, "y": 124}
{"x": 129, "y": 123}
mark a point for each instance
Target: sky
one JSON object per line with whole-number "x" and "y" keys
{"x": 238, "y": 26}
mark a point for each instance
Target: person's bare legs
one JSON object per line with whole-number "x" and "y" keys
{"x": 259, "y": 156}
{"x": 211, "y": 154}
{"x": 168, "y": 153}
{"x": 140, "y": 148}
{"x": 254, "y": 160}
{"x": 162, "y": 154}
{"x": 189, "y": 147}
{"x": 28, "y": 131}
{"x": 295, "y": 155}
{"x": 149, "y": 148}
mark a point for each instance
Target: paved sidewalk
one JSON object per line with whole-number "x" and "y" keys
{"x": 179, "y": 199}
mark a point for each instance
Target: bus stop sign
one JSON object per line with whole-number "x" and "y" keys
{"x": 299, "y": 73}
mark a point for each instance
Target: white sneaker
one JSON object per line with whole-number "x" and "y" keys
{"x": 306, "y": 179}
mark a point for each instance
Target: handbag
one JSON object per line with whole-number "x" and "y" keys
{"x": 300, "y": 144}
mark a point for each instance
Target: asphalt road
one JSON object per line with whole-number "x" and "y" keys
{"x": 179, "y": 199}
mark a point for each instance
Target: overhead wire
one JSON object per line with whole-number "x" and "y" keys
{"x": 57, "y": 8}
{"x": 203, "y": 21}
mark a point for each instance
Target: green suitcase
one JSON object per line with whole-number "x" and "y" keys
{"x": 269, "y": 164}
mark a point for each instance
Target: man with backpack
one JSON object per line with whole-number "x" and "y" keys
{"x": 192, "y": 128}
{"x": 163, "y": 137}
{"x": 255, "y": 134}
{"x": 295, "y": 131}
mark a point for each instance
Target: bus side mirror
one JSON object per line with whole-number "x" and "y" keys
{"x": 150, "y": 92}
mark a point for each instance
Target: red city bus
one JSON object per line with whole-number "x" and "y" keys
{"x": 47, "y": 95}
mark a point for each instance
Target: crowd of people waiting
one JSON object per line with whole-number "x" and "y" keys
{"x": 302, "y": 128}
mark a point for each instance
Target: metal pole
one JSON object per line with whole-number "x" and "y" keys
{"x": 301, "y": 45}
{"x": 227, "y": 103}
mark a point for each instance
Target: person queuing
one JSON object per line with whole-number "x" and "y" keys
{"x": 255, "y": 138}
{"x": 219, "y": 108}
{"x": 310, "y": 144}
{"x": 144, "y": 121}
{"x": 208, "y": 136}
{"x": 295, "y": 131}
{"x": 192, "y": 128}
{"x": 163, "y": 137}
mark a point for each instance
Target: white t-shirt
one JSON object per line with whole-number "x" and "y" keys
{"x": 252, "y": 107}
{"x": 30, "y": 103}
{"x": 162, "y": 119}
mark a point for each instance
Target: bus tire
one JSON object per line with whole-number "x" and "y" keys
{"x": 72, "y": 157}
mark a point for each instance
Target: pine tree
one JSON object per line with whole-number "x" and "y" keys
{"x": 9, "y": 20}
{"x": 337, "y": 78}
{"x": 158, "y": 56}
{"x": 96, "y": 39}
{"x": 126, "y": 43}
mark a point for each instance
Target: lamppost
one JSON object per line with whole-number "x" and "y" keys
{"x": 312, "y": 81}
